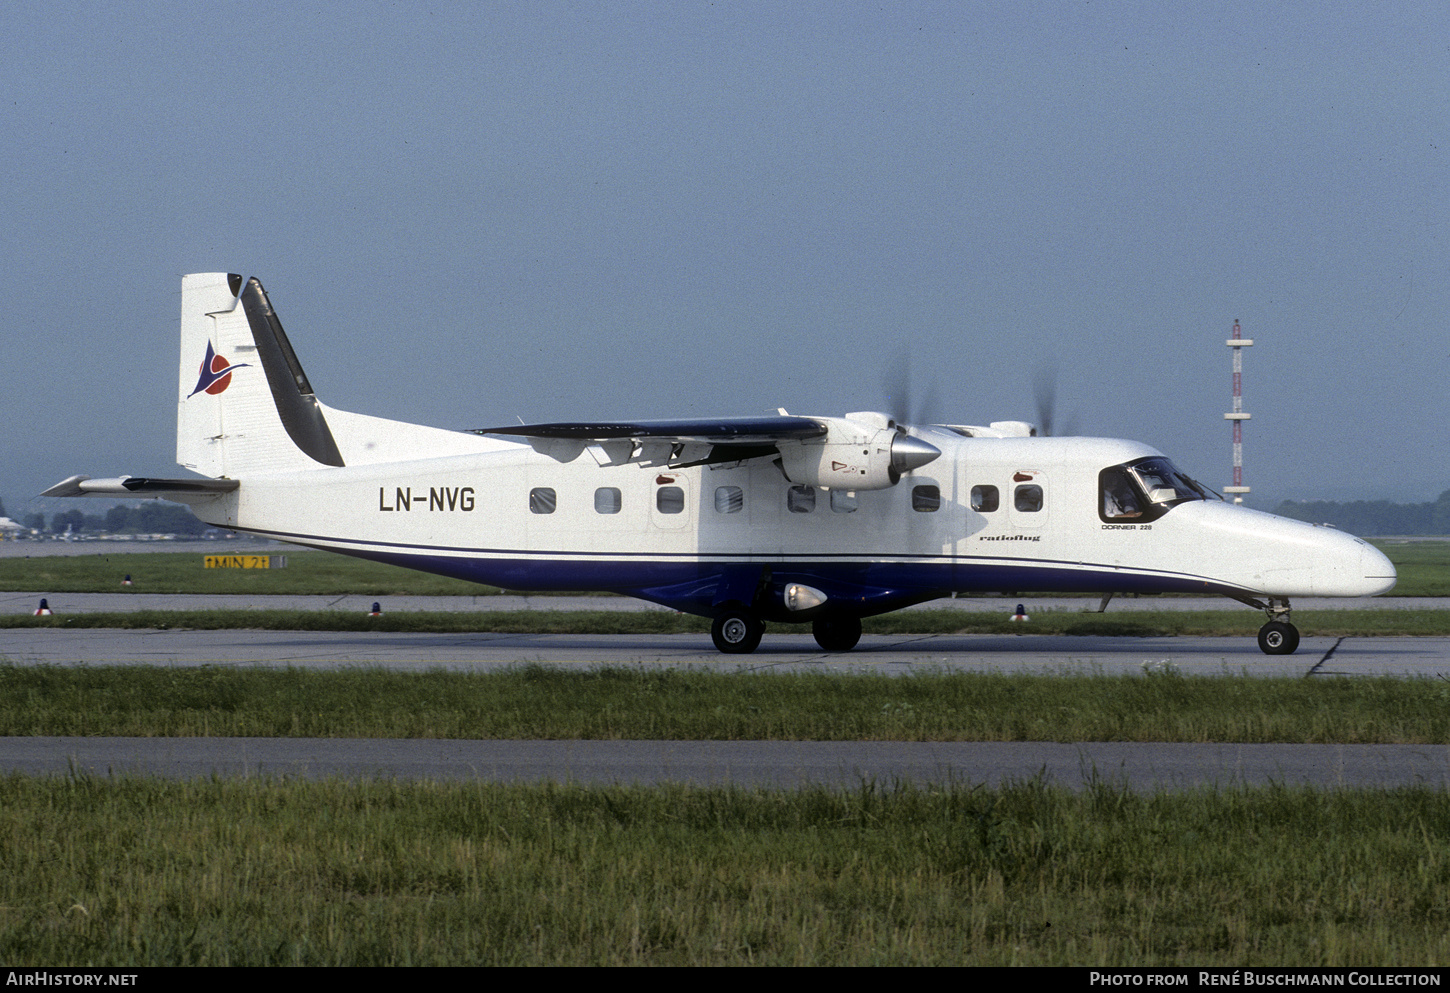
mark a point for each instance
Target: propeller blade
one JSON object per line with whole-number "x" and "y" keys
{"x": 1044, "y": 390}
{"x": 896, "y": 384}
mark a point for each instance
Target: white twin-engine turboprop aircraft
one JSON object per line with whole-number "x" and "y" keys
{"x": 744, "y": 520}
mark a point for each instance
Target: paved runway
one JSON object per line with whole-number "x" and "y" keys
{"x": 771, "y": 764}
{"x": 784, "y": 651}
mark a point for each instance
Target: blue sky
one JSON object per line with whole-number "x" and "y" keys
{"x": 468, "y": 213}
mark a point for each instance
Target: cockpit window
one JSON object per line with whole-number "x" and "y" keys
{"x": 1120, "y": 498}
{"x": 1143, "y": 490}
{"x": 1163, "y": 483}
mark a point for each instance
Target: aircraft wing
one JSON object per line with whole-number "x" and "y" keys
{"x": 716, "y": 431}
{"x": 678, "y": 443}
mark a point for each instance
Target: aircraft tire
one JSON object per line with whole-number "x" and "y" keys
{"x": 837, "y": 634}
{"x": 1277, "y": 638}
{"x": 737, "y": 633}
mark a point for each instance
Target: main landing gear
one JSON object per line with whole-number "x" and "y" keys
{"x": 1278, "y": 636}
{"x": 738, "y": 632}
{"x": 837, "y": 634}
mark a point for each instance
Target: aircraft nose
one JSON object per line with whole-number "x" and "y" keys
{"x": 1378, "y": 571}
{"x": 1352, "y": 567}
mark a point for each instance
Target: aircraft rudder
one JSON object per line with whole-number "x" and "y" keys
{"x": 239, "y": 396}
{"x": 245, "y": 405}
{"x": 204, "y": 367}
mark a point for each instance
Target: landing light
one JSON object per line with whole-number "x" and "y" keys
{"x": 798, "y": 596}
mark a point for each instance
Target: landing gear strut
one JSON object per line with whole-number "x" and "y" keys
{"x": 737, "y": 633}
{"x": 1278, "y": 636}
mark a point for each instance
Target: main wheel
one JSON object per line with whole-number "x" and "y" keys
{"x": 837, "y": 634}
{"x": 737, "y": 634}
{"x": 1278, "y": 638}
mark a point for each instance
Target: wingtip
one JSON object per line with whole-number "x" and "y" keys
{"x": 68, "y": 487}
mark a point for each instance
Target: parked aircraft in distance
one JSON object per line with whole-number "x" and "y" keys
{"x": 750, "y": 520}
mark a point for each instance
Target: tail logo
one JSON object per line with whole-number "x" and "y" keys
{"x": 216, "y": 373}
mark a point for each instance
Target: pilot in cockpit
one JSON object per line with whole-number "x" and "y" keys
{"x": 1119, "y": 499}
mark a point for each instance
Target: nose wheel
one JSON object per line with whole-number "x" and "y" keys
{"x": 1278, "y": 638}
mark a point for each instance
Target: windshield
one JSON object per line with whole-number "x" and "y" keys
{"x": 1143, "y": 491}
{"x": 1163, "y": 483}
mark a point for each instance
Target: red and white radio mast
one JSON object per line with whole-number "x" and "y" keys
{"x": 1238, "y": 343}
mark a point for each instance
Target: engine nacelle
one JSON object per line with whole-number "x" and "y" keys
{"x": 863, "y": 451}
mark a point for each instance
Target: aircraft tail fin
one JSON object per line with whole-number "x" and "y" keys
{"x": 248, "y": 407}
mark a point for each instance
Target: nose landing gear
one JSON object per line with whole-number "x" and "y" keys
{"x": 1278, "y": 636}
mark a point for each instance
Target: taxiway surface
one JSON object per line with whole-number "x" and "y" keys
{"x": 784, "y": 651}
{"x": 768, "y": 764}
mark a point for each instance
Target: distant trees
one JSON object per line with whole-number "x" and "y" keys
{"x": 1373, "y": 517}
{"x": 72, "y": 519}
{"x": 151, "y": 517}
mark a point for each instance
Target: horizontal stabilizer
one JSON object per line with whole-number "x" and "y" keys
{"x": 138, "y": 486}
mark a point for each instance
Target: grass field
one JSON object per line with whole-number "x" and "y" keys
{"x": 215, "y": 872}
{"x": 125, "y": 871}
{"x": 1423, "y": 566}
{"x": 1424, "y": 569}
{"x": 696, "y": 704}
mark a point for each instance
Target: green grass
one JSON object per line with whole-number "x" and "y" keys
{"x": 700, "y": 704}
{"x": 123, "y": 872}
{"x": 1423, "y": 567}
{"x": 1145, "y": 624}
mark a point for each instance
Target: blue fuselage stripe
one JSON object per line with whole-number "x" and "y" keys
{"x": 689, "y": 581}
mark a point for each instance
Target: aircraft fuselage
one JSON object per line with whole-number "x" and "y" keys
{"x": 992, "y": 514}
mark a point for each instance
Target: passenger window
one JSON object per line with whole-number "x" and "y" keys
{"x": 985, "y": 499}
{"x": 670, "y": 500}
{"x": 607, "y": 500}
{"x": 801, "y": 499}
{"x": 925, "y": 499}
{"x": 542, "y": 500}
{"x": 844, "y": 501}
{"x": 1028, "y": 498}
{"x": 729, "y": 499}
